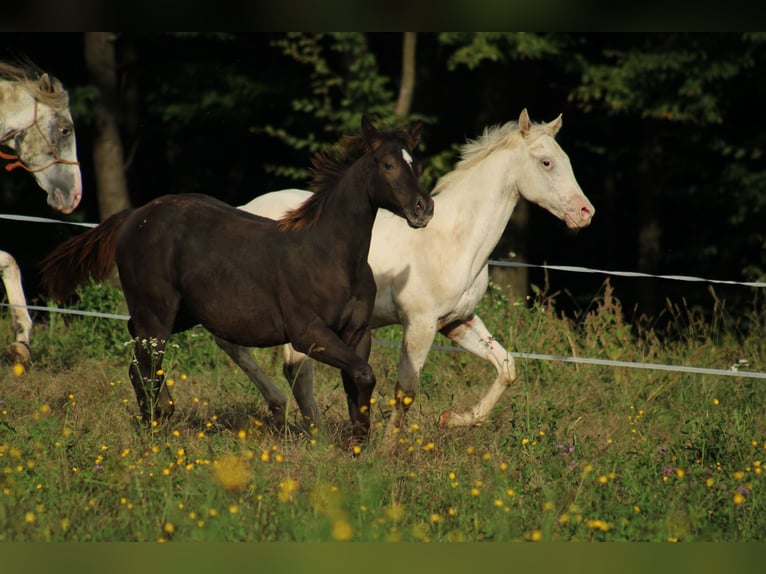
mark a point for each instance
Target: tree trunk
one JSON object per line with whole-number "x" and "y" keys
{"x": 407, "y": 87}
{"x": 108, "y": 157}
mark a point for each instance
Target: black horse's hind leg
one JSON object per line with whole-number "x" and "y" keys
{"x": 145, "y": 371}
{"x": 146, "y": 375}
{"x": 275, "y": 398}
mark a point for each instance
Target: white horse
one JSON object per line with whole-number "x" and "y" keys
{"x": 472, "y": 206}
{"x": 36, "y": 126}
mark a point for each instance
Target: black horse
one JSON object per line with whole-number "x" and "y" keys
{"x": 190, "y": 259}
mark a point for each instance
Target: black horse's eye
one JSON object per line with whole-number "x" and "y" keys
{"x": 388, "y": 165}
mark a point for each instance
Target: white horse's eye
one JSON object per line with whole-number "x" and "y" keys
{"x": 65, "y": 131}
{"x": 547, "y": 164}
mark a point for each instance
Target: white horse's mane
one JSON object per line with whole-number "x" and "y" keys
{"x": 50, "y": 93}
{"x": 474, "y": 151}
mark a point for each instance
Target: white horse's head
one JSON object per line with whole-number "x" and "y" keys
{"x": 548, "y": 179}
{"x": 38, "y": 128}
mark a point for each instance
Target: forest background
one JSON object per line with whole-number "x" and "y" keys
{"x": 664, "y": 131}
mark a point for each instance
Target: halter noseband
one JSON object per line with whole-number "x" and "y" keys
{"x": 17, "y": 160}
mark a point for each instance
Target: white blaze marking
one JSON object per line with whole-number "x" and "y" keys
{"x": 407, "y": 157}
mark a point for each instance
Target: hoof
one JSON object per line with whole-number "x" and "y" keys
{"x": 18, "y": 353}
{"x": 451, "y": 419}
{"x": 444, "y": 420}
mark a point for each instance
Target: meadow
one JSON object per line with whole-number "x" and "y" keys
{"x": 572, "y": 452}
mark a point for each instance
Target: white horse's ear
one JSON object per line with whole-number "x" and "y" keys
{"x": 46, "y": 85}
{"x": 525, "y": 125}
{"x": 553, "y": 127}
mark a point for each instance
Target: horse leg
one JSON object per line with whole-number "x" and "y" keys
{"x": 351, "y": 358}
{"x": 145, "y": 372}
{"x": 299, "y": 372}
{"x": 416, "y": 343}
{"x": 473, "y": 335}
{"x": 275, "y": 398}
{"x": 150, "y": 334}
{"x": 21, "y": 322}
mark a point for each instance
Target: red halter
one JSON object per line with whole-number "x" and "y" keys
{"x": 17, "y": 160}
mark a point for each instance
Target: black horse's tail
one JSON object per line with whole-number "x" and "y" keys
{"x": 90, "y": 254}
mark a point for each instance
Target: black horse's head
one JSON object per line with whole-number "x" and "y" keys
{"x": 397, "y": 187}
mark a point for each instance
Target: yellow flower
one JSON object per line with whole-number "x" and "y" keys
{"x": 169, "y": 528}
{"x": 738, "y": 499}
{"x": 598, "y": 525}
{"x": 342, "y": 531}
{"x": 395, "y": 511}
{"x": 286, "y": 489}
{"x": 18, "y": 369}
{"x": 30, "y": 518}
{"x": 231, "y": 472}
{"x": 536, "y": 535}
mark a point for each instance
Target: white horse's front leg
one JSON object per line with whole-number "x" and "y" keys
{"x": 473, "y": 336}
{"x": 417, "y": 339}
{"x": 21, "y": 322}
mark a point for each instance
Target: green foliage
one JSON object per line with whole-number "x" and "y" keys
{"x": 666, "y": 77}
{"x": 343, "y": 82}
{"x": 474, "y": 48}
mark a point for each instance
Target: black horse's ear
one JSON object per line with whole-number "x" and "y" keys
{"x": 415, "y": 132}
{"x": 369, "y": 131}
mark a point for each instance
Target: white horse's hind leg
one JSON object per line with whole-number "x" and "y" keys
{"x": 21, "y": 322}
{"x": 299, "y": 372}
{"x": 473, "y": 336}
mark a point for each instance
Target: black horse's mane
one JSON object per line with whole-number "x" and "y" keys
{"x": 328, "y": 167}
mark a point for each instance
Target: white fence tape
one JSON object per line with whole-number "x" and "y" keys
{"x": 576, "y": 269}
{"x": 732, "y": 372}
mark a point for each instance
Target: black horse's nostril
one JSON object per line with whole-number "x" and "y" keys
{"x": 420, "y": 207}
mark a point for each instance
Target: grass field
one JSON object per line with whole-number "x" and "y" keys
{"x": 571, "y": 452}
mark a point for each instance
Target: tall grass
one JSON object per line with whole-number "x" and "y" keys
{"x": 571, "y": 452}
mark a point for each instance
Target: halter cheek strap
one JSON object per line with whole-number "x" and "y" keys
{"x": 17, "y": 160}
